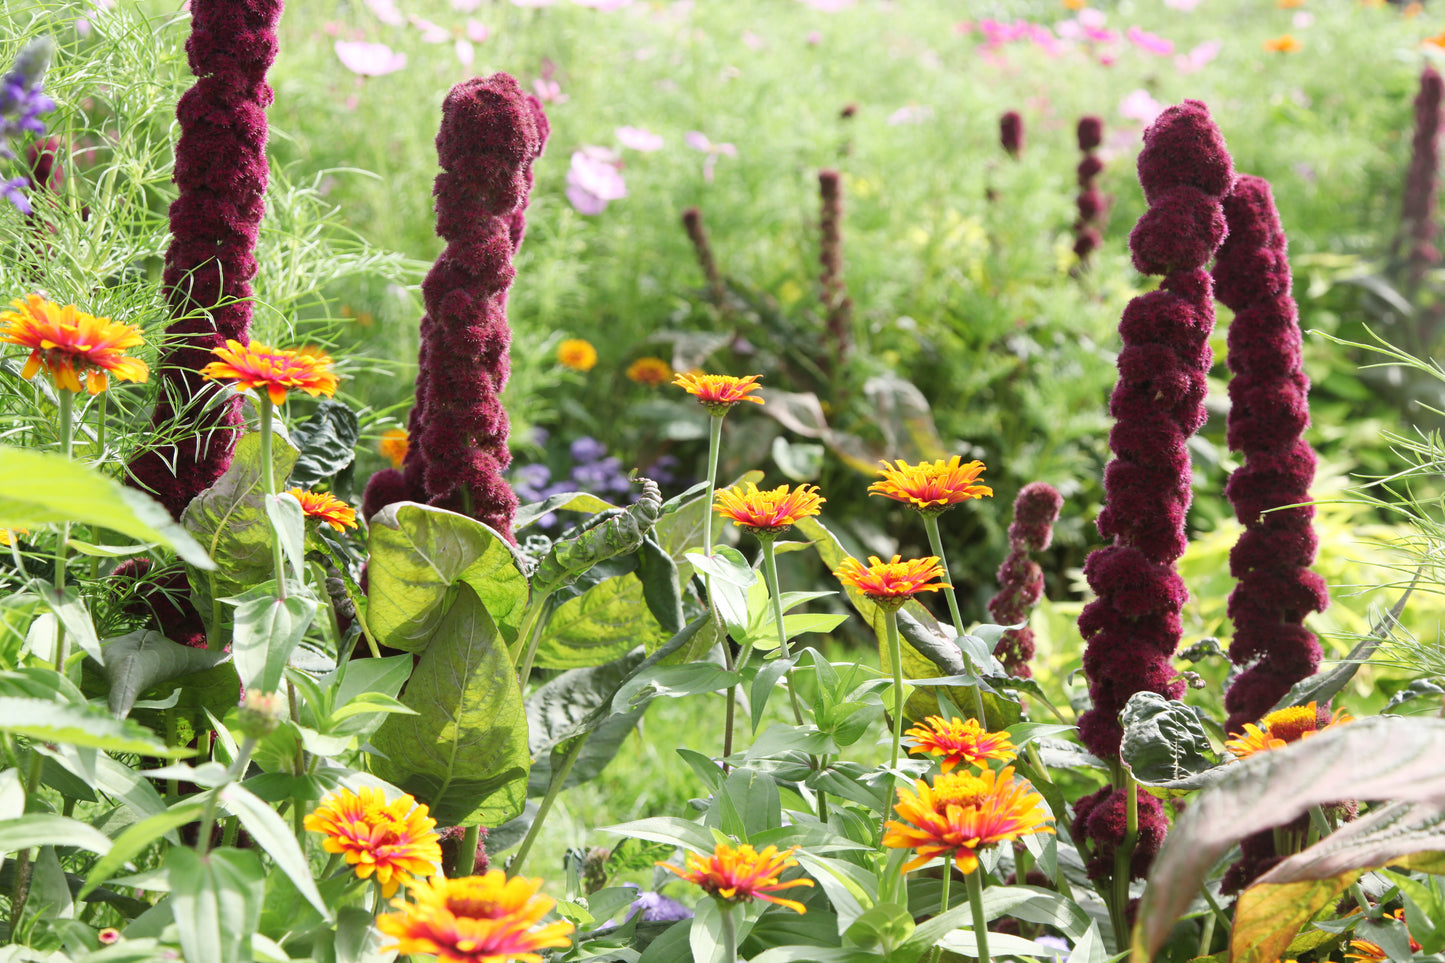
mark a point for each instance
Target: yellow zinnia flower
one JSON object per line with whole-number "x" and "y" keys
{"x": 718, "y": 392}
{"x": 959, "y": 741}
{"x": 649, "y": 371}
{"x": 932, "y": 487}
{"x": 1282, "y": 727}
{"x": 256, "y": 365}
{"x": 70, "y": 344}
{"x": 742, "y": 874}
{"x": 893, "y": 582}
{"x": 475, "y": 919}
{"x": 961, "y": 813}
{"x": 577, "y": 354}
{"x": 393, "y": 445}
{"x": 767, "y": 513}
{"x": 1285, "y": 43}
{"x": 391, "y": 840}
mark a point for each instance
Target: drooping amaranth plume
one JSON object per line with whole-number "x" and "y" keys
{"x": 1021, "y": 581}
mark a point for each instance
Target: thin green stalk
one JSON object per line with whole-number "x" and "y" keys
{"x": 980, "y": 925}
{"x": 935, "y": 544}
{"x": 714, "y": 446}
{"x": 531, "y": 630}
{"x": 730, "y": 712}
{"x": 24, "y": 868}
{"x": 554, "y": 786}
{"x": 729, "y": 932}
{"x": 1206, "y": 935}
{"x": 466, "y": 859}
{"x": 943, "y": 902}
{"x": 67, "y": 434}
{"x": 1123, "y": 859}
{"x": 208, "y": 815}
{"x": 895, "y": 657}
{"x": 770, "y": 572}
{"x": 270, "y": 481}
{"x": 100, "y": 459}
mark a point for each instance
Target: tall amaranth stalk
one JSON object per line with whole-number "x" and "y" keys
{"x": 1269, "y": 411}
{"x": 838, "y": 307}
{"x": 1417, "y": 221}
{"x": 1133, "y": 626}
{"x": 1092, "y": 205}
{"x": 221, "y": 175}
{"x": 1021, "y": 581}
{"x": 491, "y": 132}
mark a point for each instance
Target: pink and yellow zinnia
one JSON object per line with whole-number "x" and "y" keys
{"x": 958, "y": 741}
{"x": 475, "y": 919}
{"x": 767, "y": 513}
{"x": 388, "y": 840}
{"x": 70, "y": 344}
{"x": 961, "y": 813}
{"x": 255, "y": 366}
{"x": 931, "y": 487}
{"x": 741, "y": 874}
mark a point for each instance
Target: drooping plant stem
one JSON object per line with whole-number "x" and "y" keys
{"x": 980, "y": 925}
{"x": 268, "y": 479}
{"x": 554, "y": 786}
{"x": 935, "y": 545}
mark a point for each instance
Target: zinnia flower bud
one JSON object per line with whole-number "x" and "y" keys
{"x": 1269, "y": 410}
{"x": 1021, "y": 581}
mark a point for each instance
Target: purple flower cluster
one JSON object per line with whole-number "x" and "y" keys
{"x": 592, "y": 471}
{"x": 1133, "y": 625}
{"x": 1011, "y": 133}
{"x": 1021, "y": 581}
{"x": 1092, "y": 205}
{"x": 836, "y": 303}
{"x": 221, "y": 173}
{"x": 491, "y": 132}
{"x": 22, "y": 101}
{"x": 1269, "y": 411}
{"x": 1417, "y": 226}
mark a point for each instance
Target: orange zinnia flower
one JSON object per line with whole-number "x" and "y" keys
{"x": 577, "y": 354}
{"x": 1281, "y": 728}
{"x": 1437, "y": 41}
{"x": 931, "y": 487}
{"x": 893, "y": 582}
{"x": 961, "y": 813}
{"x": 475, "y": 919}
{"x": 767, "y": 513}
{"x": 69, "y": 344}
{"x": 718, "y": 392}
{"x": 393, "y": 445}
{"x": 959, "y": 741}
{"x": 256, "y": 365}
{"x": 391, "y": 840}
{"x": 741, "y": 875}
{"x": 1285, "y": 43}
{"x": 649, "y": 371}
{"x": 1367, "y": 951}
{"x": 325, "y": 506}
{"x": 1289, "y": 4}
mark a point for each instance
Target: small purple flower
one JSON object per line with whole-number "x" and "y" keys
{"x": 639, "y": 139}
{"x": 528, "y": 481}
{"x": 656, "y": 908}
{"x": 13, "y": 191}
{"x": 586, "y": 450}
{"x": 369, "y": 59}
{"x": 594, "y": 179}
{"x": 22, "y": 93}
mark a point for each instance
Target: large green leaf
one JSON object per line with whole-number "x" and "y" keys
{"x": 230, "y": 520}
{"x": 216, "y": 901}
{"x": 606, "y": 535}
{"x": 42, "y": 488}
{"x": 273, "y": 836}
{"x": 79, "y": 725}
{"x": 1164, "y": 739}
{"x": 464, "y": 753}
{"x": 138, "y": 660}
{"x": 48, "y": 829}
{"x": 1383, "y": 757}
{"x": 417, "y": 554}
{"x": 268, "y": 629}
{"x": 327, "y": 441}
{"x": 599, "y": 625}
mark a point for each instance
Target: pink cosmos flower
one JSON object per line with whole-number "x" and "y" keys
{"x": 430, "y": 32}
{"x": 594, "y": 179}
{"x": 465, "y": 52}
{"x": 549, "y": 91}
{"x": 1303, "y": 20}
{"x": 1194, "y": 60}
{"x": 369, "y": 59}
{"x": 1149, "y": 42}
{"x": 814, "y": 38}
{"x": 698, "y": 141}
{"x": 911, "y": 114}
{"x": 82, "y": 27}
{"x": 639, "y": 138}
{"x": 386, "y": 12}
{"x": 1139, "y": 105}
{"x": 752, "y": 41}
{"x": 477, "y": 31}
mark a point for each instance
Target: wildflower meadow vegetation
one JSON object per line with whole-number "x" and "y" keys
{"x": 795, "y": 481}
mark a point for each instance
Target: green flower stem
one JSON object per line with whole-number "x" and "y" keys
{"x": 67, "y": 435}
{"x": 100, "y": 459}
{"x": 1123, "y": 858}
{"x": 729, "y": 932}
{"x": 24, "y": 868}
{"x": 770, "y": 572}
{"x": 208, "y": 816}
{"x": 714, "y": 446}
{"x": 980, "y": 925}
{"x": 1206, "y": 935}
{"x": 466, "y": 853}
{"x": 270, "y": 482}
{"x": 531, "y": 630}
{"x": 935, "y": 544}
{"x": 895, "y": 656}
{"x": 943, "y": 902}
{"x": 554, "y": 787}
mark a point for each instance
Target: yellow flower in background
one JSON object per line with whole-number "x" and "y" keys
{"x": 475, "y": 919}
{"x": 325, "y": 506}
{"x": 649, "y": 371}
{"x": 931, "y": 487}
{"x": 767, "y": 513}
{"x": 718, "y": 392}
{"x": 389, "y": 840}
{"x": 7, "y": 535}
{"x": 961, "y": 813}
{"x": 1285, "y": 43}
{"x": 1075, "y": 4}
{"x": 959, "y": 741}
{"x": 1289, "y": 4}
{"x": 741, "y": 875}
{"x": 70, "y": 344}
{"x": 256, "y": 366}
{"x": 893, "y": 582}
{"x": 1282, "y": 727}
{"x": 393, "y": 445}
{"x": 577, "y": 354}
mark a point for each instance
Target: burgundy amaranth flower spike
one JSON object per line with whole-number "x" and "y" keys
{"x": 1133, "y": 626}
{"x": 1417, "y": 226}
{"x": 1269, "y": 411}
{"x": 221, "y": 173}
{"x": 1092, "y": 205}
{"x": 1011, "y": 133}
{"x": 836, "y": 303}
{"x": 491, "y": 132}
{"x": 1021, "y": 581}
{"x": 697, "y": 234}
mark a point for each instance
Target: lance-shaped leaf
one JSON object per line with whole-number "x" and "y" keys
{"x": 229, "y": 519}
{"x": 417, "y": 554}
{"x": 1164, "y": 739}
{"x": 1384, "y": 757}
{"x": 138, "y": 660}
{"x": 327, "y": 441}
{"x": 464, "y": 753}
{"x": 605, "y": 536}
{"x": 1272, "y": 911}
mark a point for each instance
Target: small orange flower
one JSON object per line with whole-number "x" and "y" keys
{"x": 475, "y": 919}
{"x": 393, "y": 445}
{"x": 892, "y": 583}
{"x": 7, "y": 535}
{"x": 1412, "y": 10}
{"x": 649, "y": 371}
{"x": 1284, "y": 43}
{"x": 770, "y": 513}
{"x": 931, "y": 487}
{"x": 1437, "y": 41}
{"x": 1281, "y": 728}
{"x": 256, "y": 365}
{"x": 325, "y": 506}
{"x": 718, "y": 393}
{"x": 959, "y": 741}
{"x": 1367, "y": 951}
{"x": 391, "y": 840}
{"x": 961, "y": 813}
{"x": 577, "y": 354}
{"x": 1075, "y": 4}
{"x": 1289, "y": 4}
{"x": 69, "y": 344}
{"x": 741, "y": 875}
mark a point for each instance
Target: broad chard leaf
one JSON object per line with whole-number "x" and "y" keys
{"x": 327, "y": 443}
{"x": 1164, "y": 739}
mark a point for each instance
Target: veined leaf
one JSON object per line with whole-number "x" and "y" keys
{"x": 216, "y": 900}
{"x": 601, "y": 624}
{"x": 1163, "y": 739}
{"x": 139, "y": 660}
{"x": 327, "y": 441}
{"x": 80, "y": 725}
